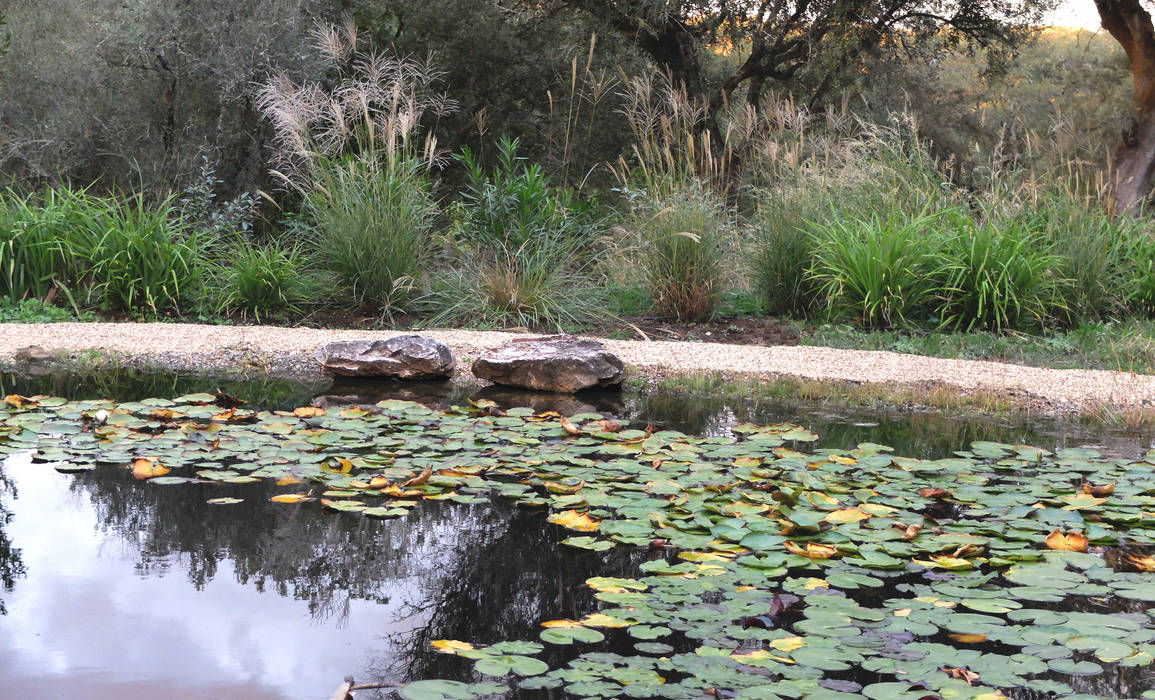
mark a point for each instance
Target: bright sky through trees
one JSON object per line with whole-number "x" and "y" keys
{"x": 1076, "y": 13}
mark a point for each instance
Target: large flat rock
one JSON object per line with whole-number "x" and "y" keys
{"x": 562, "y": 363}
{"x": 401, "y": 357}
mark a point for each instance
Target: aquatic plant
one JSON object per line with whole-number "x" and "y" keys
{"x": 774, "y": 572}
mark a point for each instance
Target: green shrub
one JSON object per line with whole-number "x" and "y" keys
{"x": 44, "y": 241}
{"x": 36, "y": 311}
{"x": 998, "y": 277}
{"x": 1094, "y": 251}
{"x": 876, "y": 271}
{"x": 783, "y": 257}
{"x": 514, "y": 203}
{"x": 524, "y": 252}
{"x": 145, "y": 259}
{"x": 683, "y": 239}
{"x": 371, "y": 224}
{"x": 261, "y": 280}
{"x": 537, "y": 285}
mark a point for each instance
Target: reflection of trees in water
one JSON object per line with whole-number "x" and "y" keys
{"x": 126, "y": 384}
{"x": 501, "y": 589}
{"x": 11, "y": 565}
{"x": 924, "y": 435}
{"x": 325, "y": 559}
{"x": 476, "y": 572}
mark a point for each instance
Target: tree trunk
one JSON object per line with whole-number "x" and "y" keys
{"x": 1133, "y": 166}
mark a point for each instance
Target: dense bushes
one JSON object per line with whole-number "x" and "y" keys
{"x": 115, "y": 253}
{"x": 1041, "y": 264}
{"x": 522, "y": 251}
{"x": 682, "y": 238}
{"x": 826, "y": 216}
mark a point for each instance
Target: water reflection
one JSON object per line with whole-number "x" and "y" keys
{"x": 183, "y": 587}
{"x": 115, "y": 588}
{"x": 11, "y": 563}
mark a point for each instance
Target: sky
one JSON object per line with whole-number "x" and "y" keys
{"x": 1076, "y": 13}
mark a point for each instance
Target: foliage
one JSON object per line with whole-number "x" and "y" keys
{"x": 524, "y": 251}
{"x": 1094, "y": 249}
{"x": 998, "y": 276}
{"x": 843, "y": 545}
{"x": 371, "y": 227}
{"x": 36, "y": 311}
{"x": 783, "y": 258}
{"x": 261, "y": 280}
{"x": 877, "y": 271}
{"x": 45, "y": 241}
{"x": 683, "y": 241}
{"x": 201, "y": 207}
{"x": 355, "y": 153}
{"x": 145, "y": 259}
{"x": 809, "y": 48}
{"x": 134, "y": 94}
{"x": 548, "y": 285}
{"x": 513, "y": 204}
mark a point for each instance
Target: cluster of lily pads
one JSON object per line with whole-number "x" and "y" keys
{"x": 775, "y": 572}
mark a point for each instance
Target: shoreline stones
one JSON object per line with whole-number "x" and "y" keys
{"x": 561, "y": 363}
{"x": 401, "y": 357}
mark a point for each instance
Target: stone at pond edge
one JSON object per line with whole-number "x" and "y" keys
{"x": 562, "y": 363}
{"x": 402, "y": 357}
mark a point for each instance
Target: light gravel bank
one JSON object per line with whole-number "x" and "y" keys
{"x": 288, "y": 351}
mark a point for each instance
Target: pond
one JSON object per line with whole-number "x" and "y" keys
{"x": 723, "y": 558}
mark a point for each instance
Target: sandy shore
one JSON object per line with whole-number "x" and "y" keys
{"x": 288, "y": 351}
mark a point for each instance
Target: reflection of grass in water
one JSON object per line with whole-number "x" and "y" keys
{"x": 124, "y": 384}
{"x": 710, "y": 407}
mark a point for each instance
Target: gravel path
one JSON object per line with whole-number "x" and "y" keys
{"x": 289, "y": 351}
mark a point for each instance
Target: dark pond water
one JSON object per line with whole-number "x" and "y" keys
{"x": 118, "y": 589}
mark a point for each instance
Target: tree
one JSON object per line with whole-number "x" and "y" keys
{"x": 1133, "y": 166}
{"x": 807, "y": 46}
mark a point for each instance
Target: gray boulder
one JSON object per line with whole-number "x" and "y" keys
{"x": 559, "y": 363}
{"x": 402, "y": 357}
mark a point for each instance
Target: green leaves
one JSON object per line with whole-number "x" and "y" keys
{"x": 569, "y": 635}
{"x": 449, "y": 690}
{"x": 757, "y": 556}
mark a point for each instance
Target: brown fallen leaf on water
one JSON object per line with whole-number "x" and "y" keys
{"x": 339, "y": 465}
{"x": 961, "y": 673}
{"x": 226, "y": 401}
{"x": 909, "y": 532}
{"x": 18, "y": 401}
{"x": 288, "y": 481}
{"x": 812, "y": 550}
{"x": 846, "y": 515}
{"x": 1073, "y": 541}
{"x": 420, "y": 479}
{"x": 450, "y": 646}
{"x": 569, "y": 427}
{"x": 308, "y": 412}
{"x": 1100, "y": 491}
{"x": 968, "y": 638}
{"x": 606, "y": 426}
{"x": 394, "y": 491}
{"x": 146, "y": 468}
{"x": 582, "y": 522}
{"x": 934, "y": 492}
{"x": 564, "y": 624}
{"x": 291, "y": 498}
{"x": 163, "y": 414}
{"x": 378, "y": 482}
{"x": 563, "y": 489}
{"x": 1140, "y": 562}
